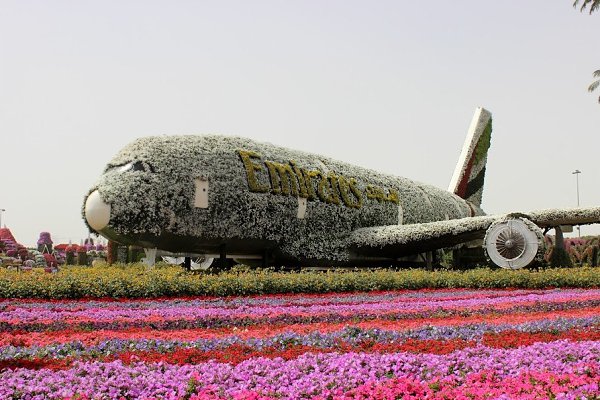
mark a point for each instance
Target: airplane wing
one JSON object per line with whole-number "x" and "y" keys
{"x": 569, "y": 216}
{"x": 401, "y": 240}
{"x": 508, "y": 237}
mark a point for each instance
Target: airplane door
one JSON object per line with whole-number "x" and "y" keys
{"x": 201, "y": 195}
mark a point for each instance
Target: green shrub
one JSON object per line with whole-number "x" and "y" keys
{"x": 136, "y": 281}
{"x": 560, "y": 257}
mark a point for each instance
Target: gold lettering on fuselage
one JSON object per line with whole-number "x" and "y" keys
{"x": 251, "y": 169}
{"x": 283, "y": 178}
{"x": 290, "y": 179}
{"x": 348, "y": 186}
{"x": 377, "y": 193}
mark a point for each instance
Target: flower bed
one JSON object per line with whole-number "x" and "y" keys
{"x": 136, "y": 281}
{"x": 451, "y": 343}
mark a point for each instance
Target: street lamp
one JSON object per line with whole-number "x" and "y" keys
{"x": 576, "y": 173}
{"x": 1, "y": 211}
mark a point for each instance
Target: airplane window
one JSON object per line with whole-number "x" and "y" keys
{"x": 138, "y": 166}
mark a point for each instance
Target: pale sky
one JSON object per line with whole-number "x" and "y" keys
{"x": 388, "y": 85}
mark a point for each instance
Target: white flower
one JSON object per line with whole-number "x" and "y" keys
{"x": 160, "y": 184}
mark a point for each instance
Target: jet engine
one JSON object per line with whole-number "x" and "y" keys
{"x": 513, "y": 242}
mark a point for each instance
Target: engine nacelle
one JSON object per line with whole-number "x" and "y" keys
{"x": 513, "y": 242}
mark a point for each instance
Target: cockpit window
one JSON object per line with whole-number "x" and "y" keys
{"x": 133, "y": 166}
{"x": 125, "y": 167}
{"x": 138, "y": 166}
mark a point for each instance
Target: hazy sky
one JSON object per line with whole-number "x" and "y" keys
{"x": 389, "y": 85}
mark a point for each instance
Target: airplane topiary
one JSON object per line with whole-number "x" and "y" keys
{"x": 234, "y": 197}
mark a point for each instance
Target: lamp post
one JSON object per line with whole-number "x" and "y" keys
{"x": 1, "y": 211}
{"x": 576, "y": 173}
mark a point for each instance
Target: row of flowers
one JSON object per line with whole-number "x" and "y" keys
{"x": 316, "y": 375}
{"x": 381, "y": 345}
{"x": 134, "y": 281}
{"x": 232, "y": 352}
{"x": 178, "y": 314}
{"x": 17, "y": 346}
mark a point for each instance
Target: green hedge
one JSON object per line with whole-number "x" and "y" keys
{"x": 134, "y": 281}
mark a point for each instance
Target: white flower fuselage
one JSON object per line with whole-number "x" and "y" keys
{"x": 194, "y": 194}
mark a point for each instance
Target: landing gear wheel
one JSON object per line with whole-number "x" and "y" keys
{"x": 201, "y": 263}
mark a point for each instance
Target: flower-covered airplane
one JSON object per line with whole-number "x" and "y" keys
{"x": 232, "y": 197}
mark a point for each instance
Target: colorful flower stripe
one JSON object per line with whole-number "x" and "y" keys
{"x": 351, "y": 336}
{"x": 267, "y": 299}
{"x": 308, "y": 376}
{"x": 425, "y": 344}
{"x": 88, "y": 337}
{"x": 480, "y": 385}
{"x": 237, "y": 353}
{"x": 107, "y": 319}
{"x": 366, "y": 304}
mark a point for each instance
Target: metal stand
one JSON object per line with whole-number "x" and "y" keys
{"x": 222, "y": 258}
{"x": 266, "y": 260}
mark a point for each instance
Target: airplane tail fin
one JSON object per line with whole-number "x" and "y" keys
{"x": 467, "y": 181}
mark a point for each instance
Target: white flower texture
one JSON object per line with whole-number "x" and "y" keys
{"x": 382, "y": 236}
{"x": 155, "y": 196}
{"x": 574, "y": 216}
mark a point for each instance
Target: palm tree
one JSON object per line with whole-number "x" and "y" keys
{"x": 594, "y": 5}
{"x": 596, "y": 83}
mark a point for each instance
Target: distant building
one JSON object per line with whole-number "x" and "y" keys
{"x": 6, "y": 235}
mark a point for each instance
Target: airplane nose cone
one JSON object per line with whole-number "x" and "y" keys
{"x": 97, "y": 212}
